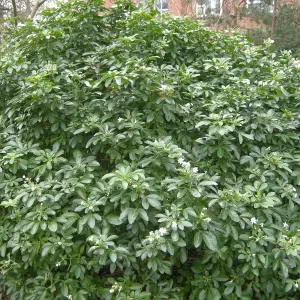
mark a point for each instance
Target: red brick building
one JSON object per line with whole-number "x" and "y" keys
{"x": 197, "y": 8}
{"x": 174, "y": 7}
{"x": 201, "y": 8}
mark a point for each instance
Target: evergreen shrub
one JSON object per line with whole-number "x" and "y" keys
{"x": 146, "y": 157}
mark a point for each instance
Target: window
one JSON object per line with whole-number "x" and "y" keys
{"x": 260, "y": 4}
{"x": 207, "y": 7}
{"x": 161, "y": 5}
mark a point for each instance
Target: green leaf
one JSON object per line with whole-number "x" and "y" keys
{"x": 113, "y": 219}
{"x": 233, "y": 216}
{"x": 229, "y": 289}
{"x": 154, "y": 200}
{"x": 143, "y": 215}
{"x": 210, "y": 240}
{"x": 132, "y": 215}
{"x": 64, "y": 289}
{"x": 207, "y": 182}
{"x": 113, "y": 256}
{"x": 52, "y": 226}
{"x": 197, "y": 239}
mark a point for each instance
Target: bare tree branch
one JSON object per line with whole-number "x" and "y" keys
{"x": 15, "y": 13}
{"x": 274, "y": 20}
{"x": 35, "y": 8}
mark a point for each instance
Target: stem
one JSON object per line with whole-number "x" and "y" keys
{"x": 274, "y": 20}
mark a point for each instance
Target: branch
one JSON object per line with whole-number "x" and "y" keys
{"x": 274, "y": 20}
{"x": 35, "y": 8}
{"x": 15, "y": 14}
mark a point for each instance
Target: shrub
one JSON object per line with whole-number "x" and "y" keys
{"x": 145, "y": 157}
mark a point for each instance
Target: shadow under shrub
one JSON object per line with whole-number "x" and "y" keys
{"x": 145, "y": 157}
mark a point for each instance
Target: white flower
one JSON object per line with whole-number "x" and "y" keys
{"x": 208, "y": 220}
{"x": 286, "y": 52}
{"x": 297, "y": 64}
{"x": 165, "y": 87}
{"x": 120, "y": 120}
{"x": 262, "y": 224}
{"x": 180, "y": 160}
{"x": 253, "y": 220}
{"x": 186, "y": 165}
{"x": 269, "y": 42}
{"x": 285, "y": 225}
{"x": 70, "y": 297}
{"x": 253, "y": 254}
{"x": 58, "y": 264}
{"x": 195, "y": 170}
{"x": 150, "y": 239}
{"x": 188, "y": 105}
{"x": 111, "y": 291}
{"x": 162, "y": 231}
{"x": 296, "y": 285}
{"x": 24, "y": 176}
{"x": 48, "y": 37}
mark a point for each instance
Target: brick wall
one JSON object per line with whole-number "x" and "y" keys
{"x": 182, "y": 8}
{"x": 176, "y": 8}
{"x": 230, "y": 7}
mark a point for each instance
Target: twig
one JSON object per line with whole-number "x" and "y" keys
{"x": 35, "y": 8}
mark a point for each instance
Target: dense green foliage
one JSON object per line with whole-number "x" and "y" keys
{"x": 146, "y": 158}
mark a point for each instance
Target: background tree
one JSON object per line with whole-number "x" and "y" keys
{"x": 21, "y": 9}
{"x": 260, "y": 20}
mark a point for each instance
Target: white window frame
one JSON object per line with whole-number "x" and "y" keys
{"x": 201, "y": 9}
{"x": 160, "y": 8}
{"x": 257, "y": 2}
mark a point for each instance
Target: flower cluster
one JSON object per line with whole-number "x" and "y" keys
{"x": 165, "y": 90}
{"x": 187, "y": 165}
{"x": 157, "y": 234}
{"x": 187, "y": 107}
{"x": 268, "y": 42}
{"x": 203, "y": 216}
{"x": 253, "y": 220}
{"x": 116, "y": 288}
